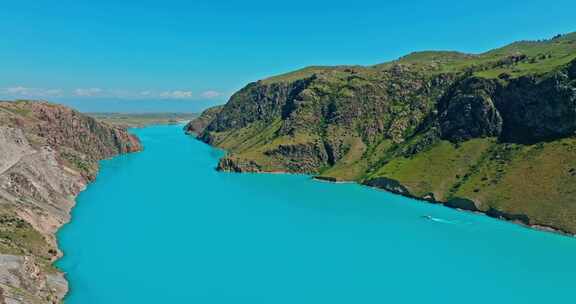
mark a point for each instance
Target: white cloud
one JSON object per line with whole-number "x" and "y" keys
{"x": 88, "y": 92}
{"x": 177, "y": 94}
{"x": 210, "y": 94}
{"x": 16, "y": 90}
{"x": 23, "y": 92}
{"x": 20, "y": 91}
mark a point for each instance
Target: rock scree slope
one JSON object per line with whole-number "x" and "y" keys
{"x": 48, "y": 154}
{"x": 491, "y": 132}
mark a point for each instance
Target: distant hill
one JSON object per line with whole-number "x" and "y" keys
{"x": 137, "y": 120}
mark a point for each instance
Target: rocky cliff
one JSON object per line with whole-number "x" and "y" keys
{"x": 492, "y": 132}
{"x": 48, "y": 154}
{"x": 198, "y": 124}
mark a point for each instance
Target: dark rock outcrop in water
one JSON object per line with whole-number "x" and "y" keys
{"x": 48, "y": 154}
{"x": 234, "y": 165}
{"x": 492, "y": 132}
{"x": 388, "y": 185}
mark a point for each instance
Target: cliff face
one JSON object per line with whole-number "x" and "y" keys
{"x": 48, "y": 154}
{"x": 492, "y": 132}
{"x": 529, "y": 109}
{"x": 198, "y": 124}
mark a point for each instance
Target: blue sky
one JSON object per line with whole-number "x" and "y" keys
{"x": 88, "y": 53}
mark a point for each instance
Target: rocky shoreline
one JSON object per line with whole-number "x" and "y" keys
{"x": 48, "y": 155}
{"x": 467, "y": 206}
{"x": 395, "y": 187}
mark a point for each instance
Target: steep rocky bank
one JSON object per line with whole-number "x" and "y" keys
{"x": 493, "y": 133}
{"x": 48, "y": 154}
{"x": 198, "y": 124}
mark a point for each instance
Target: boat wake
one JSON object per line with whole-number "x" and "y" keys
{"x": 438, "y": 220}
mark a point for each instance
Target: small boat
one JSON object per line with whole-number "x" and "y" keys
{"x": 428, "y": 217}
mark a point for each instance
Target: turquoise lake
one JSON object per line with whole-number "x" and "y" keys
{"x": 162, "y": 226}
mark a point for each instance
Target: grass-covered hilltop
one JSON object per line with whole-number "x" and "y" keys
{"x": 492, "y": 132}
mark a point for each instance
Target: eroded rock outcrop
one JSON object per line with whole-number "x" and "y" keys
{"x": 528, "y": 109}
{"x": 538, "y": 109}
{"x": 468, "y": 111}
{"x": 233, "y": 164}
